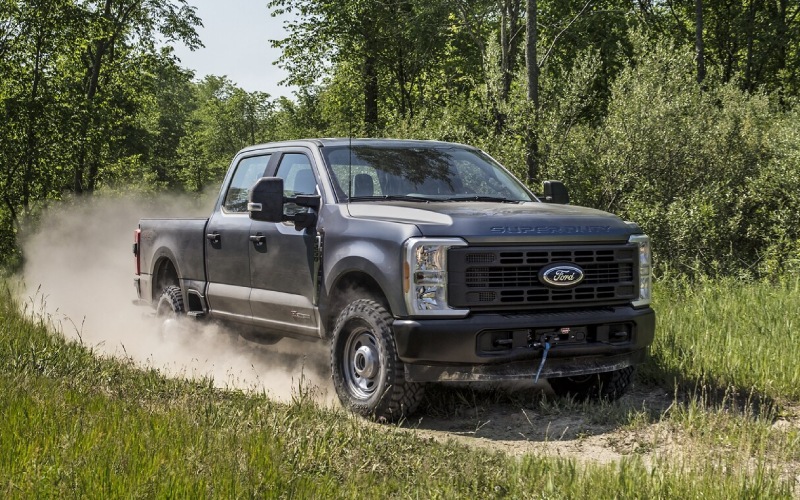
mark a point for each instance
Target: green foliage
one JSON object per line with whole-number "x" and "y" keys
{"x": 389, "y": 57}
{"x": 225, "y": 119}
{"x": 88, "y": 102}
{"x": 753, "y": 44}
{"x": 76, "y": 79}
{"x": 692, "y": 167}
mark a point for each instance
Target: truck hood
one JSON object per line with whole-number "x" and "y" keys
{"x": 480, "y": 222}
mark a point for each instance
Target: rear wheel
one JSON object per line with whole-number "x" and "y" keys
{"x": 368, "y": 376}
{"x": 170, "y": 310}
{"x": 606, "y": 386}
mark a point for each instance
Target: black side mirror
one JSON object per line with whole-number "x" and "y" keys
{"x": 267, "y": 203}
{"x": 555, "y": 192}
{"x": 265, "y": 200}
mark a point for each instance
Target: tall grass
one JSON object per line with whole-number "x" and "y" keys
{"x": 729, "y": 334}
{"x": 75, "y": 425}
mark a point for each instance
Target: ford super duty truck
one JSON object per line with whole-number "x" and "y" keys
{"x": 417, "y": 261}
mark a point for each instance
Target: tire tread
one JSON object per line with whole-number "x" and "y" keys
{"x": 401, "y": 398}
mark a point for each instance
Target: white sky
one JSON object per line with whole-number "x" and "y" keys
{"x": 236, "y": 36}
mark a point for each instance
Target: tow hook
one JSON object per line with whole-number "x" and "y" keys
{"x": 547, "y": 340}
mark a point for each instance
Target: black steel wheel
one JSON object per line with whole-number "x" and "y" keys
{"x": 600, "y": 386}
{"x": 368, "y": 376}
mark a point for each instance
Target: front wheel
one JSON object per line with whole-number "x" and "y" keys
{"x": 368, "y": 376}
{"x": 606, "y": 386}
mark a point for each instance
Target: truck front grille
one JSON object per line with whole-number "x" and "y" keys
{"x": 508, "y": 277}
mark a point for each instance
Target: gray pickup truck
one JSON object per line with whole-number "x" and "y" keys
{"x": 417, "y": 261}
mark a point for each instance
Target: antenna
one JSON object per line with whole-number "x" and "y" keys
{"x": 350, "y": 152}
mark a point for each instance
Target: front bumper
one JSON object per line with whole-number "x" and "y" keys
{"x": 494, "y": 346}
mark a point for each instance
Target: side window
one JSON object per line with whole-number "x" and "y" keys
{"x": 298, "y": 177}
{"x": 248, "y": 171}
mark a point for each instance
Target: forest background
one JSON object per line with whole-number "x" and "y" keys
{"x": 681, "y": 115}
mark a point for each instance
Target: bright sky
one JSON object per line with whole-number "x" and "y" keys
{"x": 236, "y": 36}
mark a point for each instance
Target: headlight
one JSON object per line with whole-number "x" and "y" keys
{"x": 425, "y": 276}
{"x": 645, "y": 274}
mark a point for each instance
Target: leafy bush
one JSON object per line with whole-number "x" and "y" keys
{"x": 711, "y": 174}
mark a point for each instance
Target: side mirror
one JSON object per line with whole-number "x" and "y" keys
{"x": 555, "y": 192}
{"x": 267, "y": 203}
{"x": 265, "y": 200}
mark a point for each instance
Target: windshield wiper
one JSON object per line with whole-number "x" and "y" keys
{"x": 479, "y": 197}
{"x": 392, "y": 197}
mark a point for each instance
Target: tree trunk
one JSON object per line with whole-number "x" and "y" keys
{"x": 698, "y": 42}
{"x": 531, "y": 57}
{"x": 31, "y": 155}
{"x": 92, "y": 83}
{"x": 783, "y": 33}
{"x": 532, "y": 69}
{"x": 750, "y": 29}
{"x": 93, "y": 79}
{"x": 103, "y": 50}
{"x": 509, "y": 43}
{"x": 370, "y": 75}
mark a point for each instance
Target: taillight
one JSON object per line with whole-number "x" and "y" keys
{"x": 137, "y": 238}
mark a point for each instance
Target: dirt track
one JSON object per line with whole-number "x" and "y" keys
{"x": 527, "y": 421}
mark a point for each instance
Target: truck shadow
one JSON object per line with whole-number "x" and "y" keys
{"x": 522, "y": 414}
{"x": 532, "y": 414}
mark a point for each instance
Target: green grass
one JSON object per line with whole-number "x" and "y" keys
{"x": 73, "y": 424}
{"x": 729, "y": 335}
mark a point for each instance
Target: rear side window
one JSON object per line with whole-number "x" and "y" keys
{"x": 248, "y": 171}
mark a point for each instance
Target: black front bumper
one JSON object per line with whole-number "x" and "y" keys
{"x": 492, "y": 346}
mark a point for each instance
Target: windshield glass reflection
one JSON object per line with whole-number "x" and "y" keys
{"x": 366, "y": 173}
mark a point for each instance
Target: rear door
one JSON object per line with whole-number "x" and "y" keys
{"x": 282, "y": 266}
{"x": 228, "y": 243}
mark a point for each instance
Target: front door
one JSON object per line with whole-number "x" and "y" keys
{"x": 282, "y": 262}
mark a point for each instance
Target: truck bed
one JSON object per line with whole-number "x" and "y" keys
{"x": 181, "y": 240}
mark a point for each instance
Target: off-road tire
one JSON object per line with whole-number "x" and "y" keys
{"x": 368, "y": 376}
{"x": 169, "y": 307}
{"x": 607, "y": 386}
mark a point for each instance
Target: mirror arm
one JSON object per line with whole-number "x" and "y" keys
{"x": 305, "y": 200}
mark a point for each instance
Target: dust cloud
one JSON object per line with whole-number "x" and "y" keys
{"x": 78, "y": 274}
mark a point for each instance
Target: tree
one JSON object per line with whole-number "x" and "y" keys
{"x": 119, "y": 28}
{"x": 753, "y": 42}
{"x": 700, "y": 52}
{"x": 225, "y": 119}
{"x": 73, "y": 94}
{"x": 388, "y": 49}
{"x": 532, "y": 71}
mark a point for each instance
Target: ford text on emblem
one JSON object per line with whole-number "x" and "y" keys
{"x": 561, "y": 275}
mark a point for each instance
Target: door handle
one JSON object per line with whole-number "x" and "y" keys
{"x": 213, "y": 237}
{"x": 258, "y": 239}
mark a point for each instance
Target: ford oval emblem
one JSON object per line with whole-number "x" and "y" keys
{"x": 561, "y": 275}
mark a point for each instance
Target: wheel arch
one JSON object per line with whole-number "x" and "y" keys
{"x": 349, "y": 286}
{"x": 165, "y": 273}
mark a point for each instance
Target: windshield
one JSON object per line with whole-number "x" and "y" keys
{"x": 426, "y": 173}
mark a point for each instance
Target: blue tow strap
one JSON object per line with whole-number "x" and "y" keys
{"x": 544, "y": 358}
